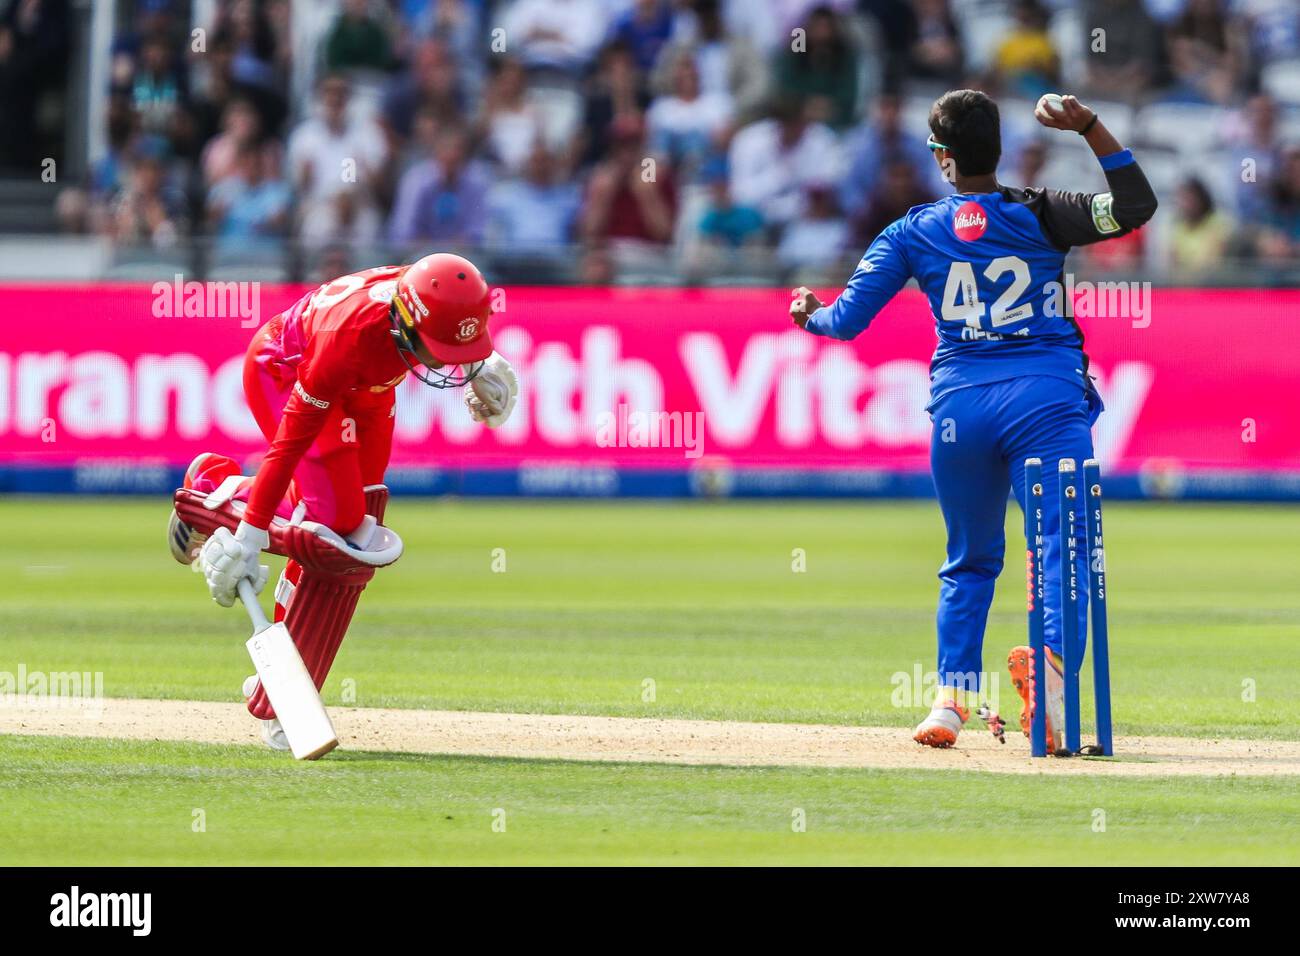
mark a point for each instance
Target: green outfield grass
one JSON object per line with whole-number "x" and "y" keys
{"x": 595, "y": 599}
{"x": 99, "y": 802}
{"x": 700, "y": 598}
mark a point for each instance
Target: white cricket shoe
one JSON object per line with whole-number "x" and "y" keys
{"x": 272, "y": 732}
{"x": 941, "y": 727}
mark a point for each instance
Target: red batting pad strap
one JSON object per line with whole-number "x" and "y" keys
{"x": 376, "y": 501}
{"x": 318, "y": 620}
{"x": 284, "y": 587}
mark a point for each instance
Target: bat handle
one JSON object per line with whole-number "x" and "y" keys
{"x": 254, "y": 607}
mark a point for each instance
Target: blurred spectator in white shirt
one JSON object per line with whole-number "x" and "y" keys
{"x": 817, "y": 239}
{"x": 509, "y": 124}
{"x": 767, "y": 23}
{"x": 728, "y": 64}
{"x": 774, "y": 161}
{"x": 335, "y": 163}
{"x": 687, "y": 126}
{"x": 561, "y": 35}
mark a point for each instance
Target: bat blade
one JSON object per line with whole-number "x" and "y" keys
{"x": 292, "y": 693}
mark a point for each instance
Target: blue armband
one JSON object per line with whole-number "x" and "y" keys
{"x": 1116, "y": 160}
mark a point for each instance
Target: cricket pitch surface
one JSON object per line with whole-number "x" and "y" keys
{"x": 651, "y": 740}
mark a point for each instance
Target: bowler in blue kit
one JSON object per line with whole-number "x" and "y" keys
{"x": 1009, "y": 378}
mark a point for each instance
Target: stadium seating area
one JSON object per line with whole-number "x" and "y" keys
{"x": 636, "y": 141}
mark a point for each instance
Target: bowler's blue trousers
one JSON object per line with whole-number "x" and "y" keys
{"x": 981, "y": 438}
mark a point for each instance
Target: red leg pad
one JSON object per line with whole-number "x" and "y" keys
{"x": 318, "y": 617}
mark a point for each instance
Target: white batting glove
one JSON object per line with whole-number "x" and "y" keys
{"x": 227, "y": 558}
{"x": 492, "y": 394}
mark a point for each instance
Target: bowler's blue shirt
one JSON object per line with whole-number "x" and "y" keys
{"x": 992, "y": 267}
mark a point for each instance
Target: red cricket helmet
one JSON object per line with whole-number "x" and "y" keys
{"x": 444, "y": 301}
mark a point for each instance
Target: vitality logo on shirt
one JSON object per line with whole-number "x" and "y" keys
{"x": 970, "y": 222}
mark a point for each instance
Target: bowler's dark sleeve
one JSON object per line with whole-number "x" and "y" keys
{"x": 1080, "y": 219}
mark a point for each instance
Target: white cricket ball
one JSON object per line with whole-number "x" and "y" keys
{"x": 1051, "y": 102}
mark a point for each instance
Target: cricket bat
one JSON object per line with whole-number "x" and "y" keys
{"x": 289, "y": 687}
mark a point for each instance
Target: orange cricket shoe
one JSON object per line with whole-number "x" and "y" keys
{"x": 1023, "y": 674}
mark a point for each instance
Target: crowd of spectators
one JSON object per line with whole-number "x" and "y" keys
{"x": 591, "y": 139}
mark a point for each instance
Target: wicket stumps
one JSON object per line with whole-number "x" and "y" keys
{"x": 1070, "y": 650}
{"x": 1097, "y": 601}
{"x": 1034, "y": 588}
{"x": 1072, "y": 641}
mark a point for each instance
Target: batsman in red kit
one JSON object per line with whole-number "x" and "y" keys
{"x": 320, "y": 380}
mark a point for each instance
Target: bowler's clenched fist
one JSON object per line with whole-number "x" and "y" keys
{"x": 805, "y": 304}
